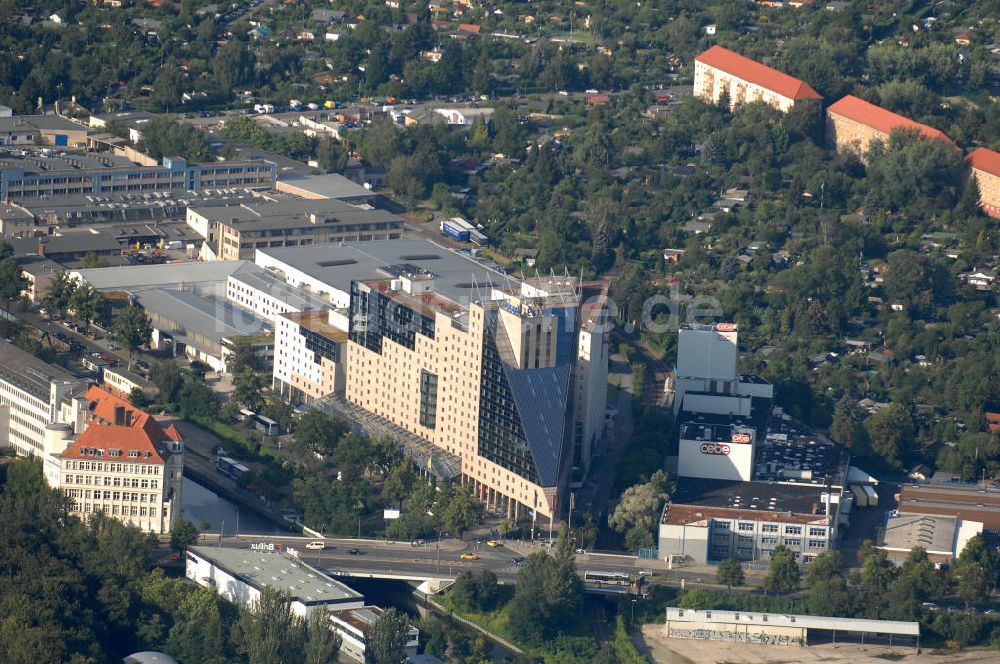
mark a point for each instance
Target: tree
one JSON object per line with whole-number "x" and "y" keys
{"x": 783, "y": 572}
{"x": 825, "y": 566}
{"x": 165, "y": 137}
{"x": 168, "y": 379}
{"x": 137, "y": 397}
{"x": 92, "y": 260}
{"x": 730, "y": 572}
{"x": 317, "y": 432}
{"x": 196, "y": 399}
{"x": 12, "y": 280}
{"x": 377, "y": 68}
{"x": 399, "y": 483}
{"x": 969, "y": 205}
{"x": 88, "y": 305}
{"x": 60, "y": 291}
{"x": 197, "y": 634}
{"x": 322, "y": 641}
{"x": 462, "y": 511}
{"x": 889, "y": 430}
{"x": 242, "y": 358}
{"x": 249, "y": 390}
{"x": 269, "y": 632}
{"x": 183, "y": 534}
{"x": 233, "y": 66}
{"x": 638, "y": 510}
{"x": 487, "y": 590}
{"x": 132, "y": 329}
{"x": 975, "y": 571}
{"x": 548, "y": 596}
{"x": 386, "y": 643}
{"x": 846, "y": 419}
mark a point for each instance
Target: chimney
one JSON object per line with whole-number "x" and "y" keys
{"x": 41, "y": 248}
{"x": 119, "y": 416}
{"x": 128, "y": 418}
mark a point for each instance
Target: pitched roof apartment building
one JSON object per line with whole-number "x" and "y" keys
{"x": 854, "y": 124}
{"x": 719, "y": 70}
{"x": 986, "y": 169}
{"x": 124, "y": 464}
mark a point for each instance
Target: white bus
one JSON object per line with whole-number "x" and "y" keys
{"x": 607, "y": 578}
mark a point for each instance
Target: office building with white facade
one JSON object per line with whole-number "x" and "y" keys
{"x": 122, "y": 463}
{"x": 750, "y": 478}
{"x": 32, "y": 420}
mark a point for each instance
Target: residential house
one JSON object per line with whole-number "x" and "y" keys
{"x": 981, "y": 279}
{"x": 526, "y": 256}
{"x": 719, "y": 71}
{"x": 985, "y": 165}
{"x": 855, "y": 124}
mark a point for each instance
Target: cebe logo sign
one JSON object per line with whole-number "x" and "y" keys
{"x": 725, "y": 327}
{"x": 740, "y": 438}
{"x": 715, "y": 448}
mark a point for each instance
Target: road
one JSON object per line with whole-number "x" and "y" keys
{"x": 379, "y": 558}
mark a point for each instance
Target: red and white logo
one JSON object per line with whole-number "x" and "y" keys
{"x": 740, "y": 438}
{"x": 725, "y": 327}
{"x": 715, "y": 448}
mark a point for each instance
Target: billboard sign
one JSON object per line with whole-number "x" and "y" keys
{"x": 740, "y": 438}
{"x": 725, "y": 327}
{"x": 390, "y": 514}
{"x": 720, "y": 449}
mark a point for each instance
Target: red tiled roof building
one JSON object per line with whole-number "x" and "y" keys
{"x": 719, "y": 70}
{"x": 986, "y": 169}
{"x": 854, "y": 124}
{"x": 124, "y": 464}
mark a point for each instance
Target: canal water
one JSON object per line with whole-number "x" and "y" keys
{"x": 199, "y": 504}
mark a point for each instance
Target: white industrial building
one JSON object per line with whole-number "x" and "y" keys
{"x": 240, "y": 575}
{"x": 353, "y": 626}
{"x": 784, "y": 629}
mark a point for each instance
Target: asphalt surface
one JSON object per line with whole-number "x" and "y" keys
{"x": 442, "y": 560}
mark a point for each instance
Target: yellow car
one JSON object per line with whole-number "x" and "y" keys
{"x": 492, "y": 544}
{"x": 469, "y": 556}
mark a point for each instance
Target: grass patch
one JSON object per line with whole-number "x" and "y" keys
{"x": 241, "y": 443}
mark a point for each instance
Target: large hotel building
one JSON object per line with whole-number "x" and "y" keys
{"x": 719, "y": 70}
{"x": 500, "y": 381}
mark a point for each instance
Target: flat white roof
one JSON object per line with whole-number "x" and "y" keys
{"x": 899, "y": 627}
